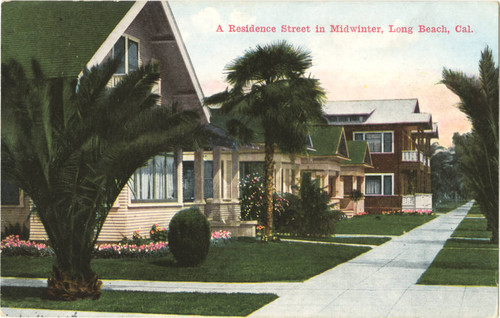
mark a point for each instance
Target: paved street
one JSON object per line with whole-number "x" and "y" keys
{"x": 380, "y": 283}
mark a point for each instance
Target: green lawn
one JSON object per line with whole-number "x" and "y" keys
{"x": 140, "y": 302}
{"x": 381, "y": 224}
{"x": 474, "y": 228}
{"x": 240, "y": 261}
{"x": 447, "y": 206}
{"x": 348, "y": 240}
{"x": 471, "y": 261}
{"x": 475, "y": 211}
{"x": 463, "y": 262}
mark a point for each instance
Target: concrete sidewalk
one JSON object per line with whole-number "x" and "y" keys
{"x": 379, "y": 283}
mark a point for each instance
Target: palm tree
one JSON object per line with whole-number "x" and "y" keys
{"x": 73, "y": 145}
{"x": 271, "y": 98}
{"x": 478, "y": 152}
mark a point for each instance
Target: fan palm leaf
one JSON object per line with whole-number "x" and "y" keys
{"x": 271, "y": 98}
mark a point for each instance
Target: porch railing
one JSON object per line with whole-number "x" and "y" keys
{"x": 413, "y": 156}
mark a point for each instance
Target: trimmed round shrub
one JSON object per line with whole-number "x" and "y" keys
{"x": 189, "y": 237}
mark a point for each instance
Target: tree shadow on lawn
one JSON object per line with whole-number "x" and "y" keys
{"x": 169, "y": 263}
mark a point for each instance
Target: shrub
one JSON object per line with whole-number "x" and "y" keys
{"x": 23, "y": 233}
{"x": 252, "y": 199}
{"x": 158, "y": 234}
{"x": 189, "y": 237}
{"x": 308, "y": 213}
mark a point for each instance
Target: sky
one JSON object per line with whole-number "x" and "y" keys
{"x": 352, "y": 65}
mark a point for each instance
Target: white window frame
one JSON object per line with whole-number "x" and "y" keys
{"x": 127, "y": 37}
{"x": 134, "y": 185}
{"x": 382, "y": 139}
{"x": 381, "y": 175}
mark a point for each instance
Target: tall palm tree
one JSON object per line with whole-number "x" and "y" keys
{"x": 478, "y": 152}
{"x": 271, "y": 97}
{"x": 73, "y": 145}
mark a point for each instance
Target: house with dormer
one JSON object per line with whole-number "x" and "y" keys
{"x": 67, "y": 37}
{"x": 399, "y": 139}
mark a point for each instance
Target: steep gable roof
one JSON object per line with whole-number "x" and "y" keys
{"x": 389, "y": 111}
{"x": 359, "y": 154}
{"x": 67, "y": 36}
{"x": 62, "y": 36}
{"x": 328, "y": 141}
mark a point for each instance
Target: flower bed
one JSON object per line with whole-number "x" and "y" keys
{"x": 408, "y": 212}
{"x": 13, "y": 246}
{"x": 220, "y": 238}
{"x": 119, "y": 250}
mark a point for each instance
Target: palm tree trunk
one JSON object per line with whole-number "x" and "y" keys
{"x": 269, "y": 186}
{"x": 72, "y": 277}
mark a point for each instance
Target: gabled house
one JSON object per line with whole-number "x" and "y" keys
{"x": 66, "y": 37}
{"x": 353, "y": 177}
{"x": 399, "y": 138}
{"x": 327, "y": 150}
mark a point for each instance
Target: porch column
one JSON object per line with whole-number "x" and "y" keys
{"x": 178, "y": 160}
{"x": 361, "y": 185}
{"x": 278, "y": 185}
{"x": 217, "y": 174}
{"x": 199, "y": 177}
{"x": 339, "y": 186}
{"x": 235, "y": 176}
{"x": 354, "y": 183}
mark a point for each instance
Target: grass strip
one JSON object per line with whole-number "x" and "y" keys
{"x": 466, "y": 243}
{"x": 447, "y": 206}
{"x": 463, "y": 266}
{"x": 472, "y": 228}
{"x": 382, "y": 224}
{"x": 239, "y": 261}
{"x": 348, "y": 240}
{"x": 211, "y": 304}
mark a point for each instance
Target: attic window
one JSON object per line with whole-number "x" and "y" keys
{"x": 127, "y": 51}
{"x": 343, "y": 147}
{"x": 309, "y": 143}
{"x": 347, "y": 119}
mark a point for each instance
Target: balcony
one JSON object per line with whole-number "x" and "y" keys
{"x": 413, "y": 156}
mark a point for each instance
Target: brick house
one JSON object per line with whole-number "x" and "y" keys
{"x": 399, "y": 137}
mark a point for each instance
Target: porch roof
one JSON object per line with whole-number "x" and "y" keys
{"x": 61, "y": 35}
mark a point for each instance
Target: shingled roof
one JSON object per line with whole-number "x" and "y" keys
{"x": 61, "y": 35}
{"x": 388, "y": 111}
{"x": 328, "y": 141}
{"x": 359, "y": 154}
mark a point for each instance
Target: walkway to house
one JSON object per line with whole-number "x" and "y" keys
{"x": 380, "y": 283}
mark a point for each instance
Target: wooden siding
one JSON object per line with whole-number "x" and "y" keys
{"x": 11, "y": 214}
